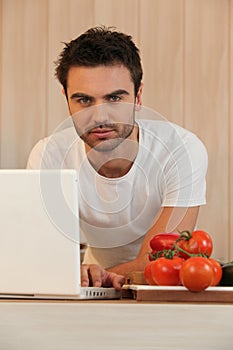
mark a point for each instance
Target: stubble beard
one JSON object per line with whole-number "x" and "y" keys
{"x": 123, "y": 131}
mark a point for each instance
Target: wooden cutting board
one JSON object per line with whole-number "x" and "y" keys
{"x": 177, "y": 294}
{"x": 138, "y": 289}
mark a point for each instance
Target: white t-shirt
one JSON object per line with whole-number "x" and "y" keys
{"x": 116, "y": 213}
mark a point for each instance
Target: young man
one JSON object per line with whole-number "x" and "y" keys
{"x": 137, "y": 177}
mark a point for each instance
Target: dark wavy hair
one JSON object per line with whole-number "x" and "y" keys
{"x": 100, "y": 46}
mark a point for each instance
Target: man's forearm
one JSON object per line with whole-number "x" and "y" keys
{"x": 169, "y": 220}
{"x": 129, "y": 267}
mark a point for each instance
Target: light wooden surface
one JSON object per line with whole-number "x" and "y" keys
{"x": 230, "y": 81}
{"x": 206, "y": 106}
{"x": 187, "y": 53}
{"x": 115, "y": 325}
{"x": 162, "y": 45}
{"x": 23, "y": 78}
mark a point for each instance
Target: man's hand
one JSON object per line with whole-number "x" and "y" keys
{"x": 95, "y": 275}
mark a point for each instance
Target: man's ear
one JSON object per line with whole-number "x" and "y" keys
{"x": 139, "y": 98}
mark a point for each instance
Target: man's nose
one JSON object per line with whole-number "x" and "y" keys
{"x": 100, "y": 113}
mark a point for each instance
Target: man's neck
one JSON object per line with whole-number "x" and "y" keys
{"x": 115, "y": 168}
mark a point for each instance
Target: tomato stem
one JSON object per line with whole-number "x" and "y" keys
{"x": 166, "y": 253}
{"x": 184, "y": 235}
{"x": 187, "y": 253}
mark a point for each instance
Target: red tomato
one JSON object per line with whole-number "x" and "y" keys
{"x": 163, "y": 241}
{"x": 147, "y": 273}
{"x": 217, "y": 272}
{"x": 199, "y": 242}
{"x": 197, "y": 273}
{"x": 165, "y": 272}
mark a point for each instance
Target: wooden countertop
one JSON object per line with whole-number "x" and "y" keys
{"x": 114, "y": 324}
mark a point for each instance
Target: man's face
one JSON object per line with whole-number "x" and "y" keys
{"x": 102, "y": 103}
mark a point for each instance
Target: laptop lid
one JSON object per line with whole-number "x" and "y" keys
{"x": 39, "y": 232}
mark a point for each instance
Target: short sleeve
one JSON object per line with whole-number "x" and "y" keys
{"x": 184, "y": 175}
{"x": 36, "y": 155}
{"x": 52, "y": 152}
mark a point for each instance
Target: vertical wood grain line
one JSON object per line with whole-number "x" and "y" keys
{"x": 230, "y": 129}
{"x": 183, "y": 70}
{"x": 47, "y": 69}
{"x": 139, "y": 19}
{"x": 1, "y": 80}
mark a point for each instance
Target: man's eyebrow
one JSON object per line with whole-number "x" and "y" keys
{"x": 80, "y": 94}
{"x": 117, "y": 92}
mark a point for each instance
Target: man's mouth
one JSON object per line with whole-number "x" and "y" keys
{"x": 102, "y": 132}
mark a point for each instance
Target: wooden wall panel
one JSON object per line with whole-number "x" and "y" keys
{"x": 23, "y": 78}
{"x": 230, "y": 209}
{"x": 66, "y": 20}
{"x": 187, "y": 50}
{"x": 206, "y": 106}
{"x": 161, "y": 43}
{"x": 121, "y": 14}
{"x": 0, "y": 75}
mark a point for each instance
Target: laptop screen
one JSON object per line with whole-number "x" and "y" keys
{"x": 39, "y": 232}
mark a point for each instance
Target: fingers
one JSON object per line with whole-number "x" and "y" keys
{"x": 111, "y": 279}
{"x": 91, "y": 275}
{"x": 85, "y": 275}
{"x": 118, "y": 281}
{"x": 94, "y": 275}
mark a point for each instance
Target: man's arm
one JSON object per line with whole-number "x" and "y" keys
{"x": 170, "y": 219}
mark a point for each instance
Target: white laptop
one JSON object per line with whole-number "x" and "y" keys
{"x": 39, "y": 237}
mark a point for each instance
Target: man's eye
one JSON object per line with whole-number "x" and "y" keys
{"x": 114, "y": 98}
{"x": 84, "y": 100}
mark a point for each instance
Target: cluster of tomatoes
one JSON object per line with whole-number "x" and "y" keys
{"x": 183, "y": 259}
